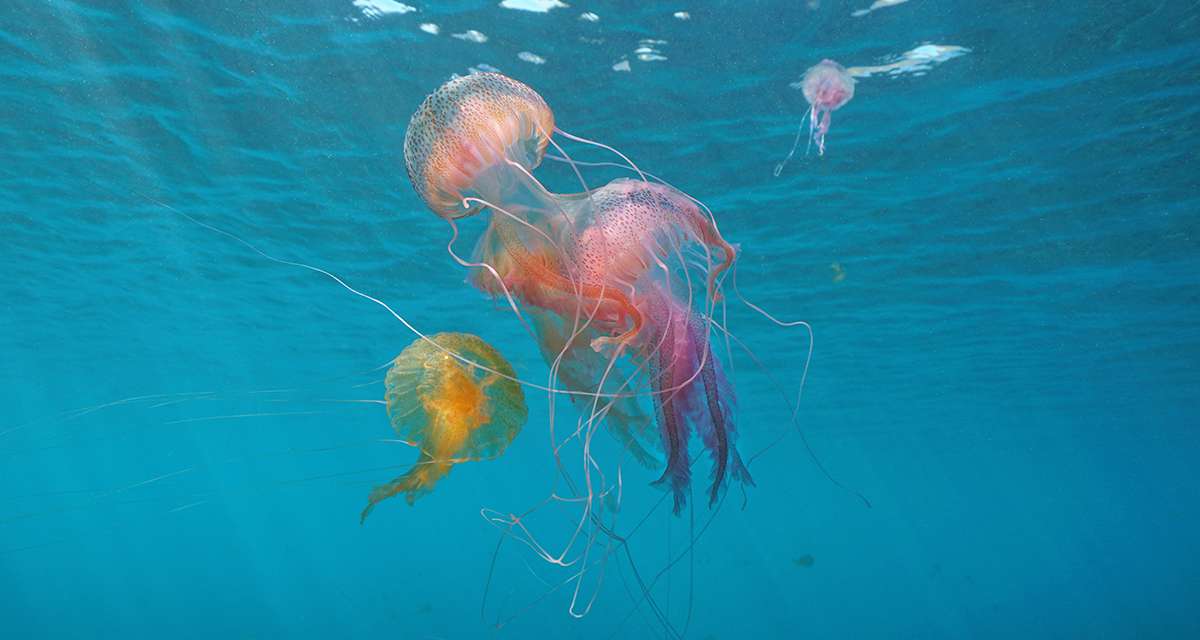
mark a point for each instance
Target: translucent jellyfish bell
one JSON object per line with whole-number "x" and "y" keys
{"x": 472, "y": 137}
{"x": 452, "y": 411}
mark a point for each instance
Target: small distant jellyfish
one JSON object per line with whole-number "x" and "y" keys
{"x": 453, "y": 411}
{"x": 827, "y": 86}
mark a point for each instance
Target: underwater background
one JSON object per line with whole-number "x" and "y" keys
{"x": 999, "y": 254}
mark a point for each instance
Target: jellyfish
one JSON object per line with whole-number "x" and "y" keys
{"x": 453, "y": 411}
{"x": 608, "y": 276}
{"x": 827, "y": 86}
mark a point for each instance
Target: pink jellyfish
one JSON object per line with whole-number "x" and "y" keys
{"x": 827, "y": 86}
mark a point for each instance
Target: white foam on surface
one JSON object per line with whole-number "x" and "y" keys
{"x": 529, "y": 56}
{"x": 537, "y": 6}
{"x": 376, "y": 9}
{"x": 471, "y": 35}
{"x": 430, "y": 28}
{"x": 916, "y": 61}
{"x": 875, "y": 6}
{"x": 648, "y": 50}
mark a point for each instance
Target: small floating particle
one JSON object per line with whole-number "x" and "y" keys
{"x": 804, "y": 561}
{"x": 839, "y": 273}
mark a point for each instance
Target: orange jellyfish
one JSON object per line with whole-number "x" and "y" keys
{"x": 607, "y": 275}
{"x": 453, "y": 411}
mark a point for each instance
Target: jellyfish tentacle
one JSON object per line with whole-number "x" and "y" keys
{"x": 490, "y": 269}
{"x": 673, "y": 425}
{"x": 669, "y": 380}
{"x": 711, "y": 237}
{"x": 415, "y": 483}
{"x": 822, "y": 129}
{"x": 691, "y": 392}
{"x": 813, "y": 115}
{"x": 795, "y": 143}
{"x": 716, "y": 427}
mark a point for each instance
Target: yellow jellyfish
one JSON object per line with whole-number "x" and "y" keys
{"x": 451, "y": 410}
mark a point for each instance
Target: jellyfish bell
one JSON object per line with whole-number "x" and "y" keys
{"x": 472, "y": 137}
{"x": 455, "y": 398}
{"x": 827, "y": 85}
{"x": 636, "y": 226}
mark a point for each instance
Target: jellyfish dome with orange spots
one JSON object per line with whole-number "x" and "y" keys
{"x": 617, "y": 282}
{"x": 454, "y": 397}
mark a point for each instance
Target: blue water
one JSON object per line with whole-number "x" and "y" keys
{"x": 1000, "y": 259}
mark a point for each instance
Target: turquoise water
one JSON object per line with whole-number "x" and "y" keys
{"x": 999, "y": 258}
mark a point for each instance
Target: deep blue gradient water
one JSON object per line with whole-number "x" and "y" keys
{"x": 1000, "y": 259}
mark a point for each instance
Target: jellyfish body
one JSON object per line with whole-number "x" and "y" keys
{"x": 827, "y": 86}
{"x": 615, "y": 278}
{"x": 452, "y": 411}
{"x": 637, "y": 230}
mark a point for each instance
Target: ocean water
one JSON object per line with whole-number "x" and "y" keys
{"x": 998, "y": 253}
